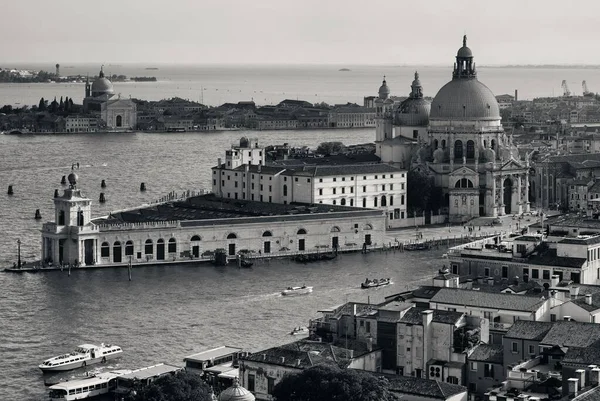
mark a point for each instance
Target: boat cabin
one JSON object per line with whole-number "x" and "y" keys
{"x": 84, "y": 388}
{"x": 143, "y": 376}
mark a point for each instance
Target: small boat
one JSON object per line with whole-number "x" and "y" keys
{"x": 291, "y": 291}
{"x": 299, "y": 331}
{"x": 86, "y": 354}
{"x": 246, "y": 264}
{"x": 87, "y": 387}
{"x": 376, "y": 283}
{"x": 420, "y": 246}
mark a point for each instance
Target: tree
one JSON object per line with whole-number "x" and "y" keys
{"x": 182, "y": 386}
{"x": 331, "y": 383}
{"x": 42, "y": 106}
{"x": 418, "y": 191}
{"x": 328, "y": 148}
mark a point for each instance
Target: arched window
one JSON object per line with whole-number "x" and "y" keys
{"x": 368, "y": 227}
{"x": 105, "y": 250}
{"x": 493, "y": 144}
{"x": 391, "y": 200}
{"x": 231, "y": 236}
{"x": 129, "y": 248}
{"x": 334, "y": 202}
{"x": 148, "y": 247}
{"x": 485, "y": 143}
{"x": 443, "y": 144}
{"x": 117, "y": 252}
{"x": 285, "y": 190}
{"x": 61, "y": 217}
{"x": 301, "y": 231}
{"x": 267, "y": 234}
{"x": 351, "y": 202}
{"x": 80, "y": 220}
{"x": 458, "y": 149}
{"x": 119, "y": 121}
{"x": 383, "y": 201}
{"x": 470, "y": 149}
{"x": 195, "y": 238}
{"x": 172, "y": 248}
{"x": 375, "y": 202}
{"x": 343, "y": 202}
{"x": 464, "y": 183}
{"x": 435, "y": 144}
{"x": 335, "y": 229}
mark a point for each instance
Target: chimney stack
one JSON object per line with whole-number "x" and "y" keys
{"x": 595, "y": 376}
{"x": 572, "y": 383}
{"x": 588, "y": 299}
{"x": 264, "y": 357}
{"x": 580, "y": 375}
{"x": 370, "y": 344}
{"x": 219, "y": 162}
{"x": 490, "y": 281}
{"x": 516, "y": 95}
{"x": 427, "y": 318}
{"x": 554, "y": 281}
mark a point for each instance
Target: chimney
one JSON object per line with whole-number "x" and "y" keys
{"x": 580, "y": 375}
{"x": 490, "y": 281}
{"x": 264, "y": 357}
{"x": 469, "y": 284}
{"x": 572, "y": 383}
{"x": 219, "y": 162}
{"x": 427, "y": 318}
{"x": 282, "y": 359}
{"x": 259, "y": 168}
{"x": 246, "y": 167}
{"x": 595, "y": 376}
{"x": 516, "y": 95}
{"x": 588, "y": 299}
{"x": 554, "y": 281}
{"x": 370, "y": 344}
{"x": 574, "y": 292}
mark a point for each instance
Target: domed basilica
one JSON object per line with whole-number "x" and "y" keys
{"x": 457, "y": 140}
{"x": 117, "y": 114}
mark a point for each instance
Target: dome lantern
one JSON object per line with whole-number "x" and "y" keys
{"x": 464, "y": 66}
{"x": 384, "y": 90}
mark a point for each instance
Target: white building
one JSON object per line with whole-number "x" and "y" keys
{"x": 79, "y": 123}
{"x": 245, "y": 176}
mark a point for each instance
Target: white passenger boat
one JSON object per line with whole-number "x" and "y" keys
{"x": 83, "y": 355}
{"x": 297, "y": 290}
{"x": 87, "y": 387}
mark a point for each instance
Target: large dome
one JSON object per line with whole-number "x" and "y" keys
{"x": 413, "y": 112}
{"x": 102, "y": 86}
{"x": 465, "y": 99}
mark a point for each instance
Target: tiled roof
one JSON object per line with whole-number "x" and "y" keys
{"x": 582, "y": 241}
{"x": 491, "y": 353}
{"x": 572, "y": 334}
{"x": 348, "y": 169}
{"x": 582, "y": 356}
{"x": 595, "y": 188}
{"x": 592, "y": 394}
{"x": 332, "y": 160}
{"x": 453, "y": 296}
{"x": 424, "y": 387}
{"x": 415, "y": 316}
{"x": 582, "y": 302}
{"x": 522, "y": 286}
{"x": 528, "y": 330}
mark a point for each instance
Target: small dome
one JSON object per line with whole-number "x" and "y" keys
{"x": 236, "y": 393}
{"x": 72, "y": 178}
{"x": 384, "y": 90}
{"x": 413, "y": 112}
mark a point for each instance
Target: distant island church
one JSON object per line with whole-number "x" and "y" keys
{"x": 458, "y": 141}
{"x": 118, "y": 114}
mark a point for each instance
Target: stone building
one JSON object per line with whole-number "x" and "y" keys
{"x": 459, "y": 141}
{"x": 118, "y": 114}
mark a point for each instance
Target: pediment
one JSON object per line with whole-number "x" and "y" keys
{"x": 463, "y": 171}
{"x": 511, "y": 165}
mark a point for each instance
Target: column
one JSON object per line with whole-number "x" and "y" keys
{"x": 501, "y": 196}
{"x": 492, "y": 206}
{"x": 526, "y": 208}
{"x": 517, "y": 201}
{"x": 476, "y": 157}
{"x": 451, "y": 145}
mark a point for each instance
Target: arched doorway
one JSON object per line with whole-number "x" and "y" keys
{"x": 195, "y": 243}
{"x": 119, "y": 121}
{"x": 160, "y": 249}
{"x": 117, "y": 252}
{"x": 507, "y": 195}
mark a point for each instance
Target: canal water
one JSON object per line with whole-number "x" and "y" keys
{"x": 164, "y": 313}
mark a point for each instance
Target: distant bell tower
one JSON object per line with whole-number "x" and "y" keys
{"x": 88, "y": 90}
{"x": 72, "y": 208}
{"x": 58, "y": 70}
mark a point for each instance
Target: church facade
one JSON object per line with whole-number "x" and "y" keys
{"x": 116, "y": 113}
{"x": 458, "y": 141}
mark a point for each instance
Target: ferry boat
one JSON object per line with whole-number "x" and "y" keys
{"x": 87, "y": 387}
{"x": 299, "y": 331}
{"x": 82, "y": 356}
{"x": 376, "y": 283}
{"x": 290, "y": 291}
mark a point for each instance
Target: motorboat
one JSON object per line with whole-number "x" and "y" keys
{"x": 290, "y": 291}
{"x": 376, "y": 283}
{"x": 83, "y": 355}
{"x": 246, "y": 264}
{"x": 299, "y": 331}
{"x": 87, "y": 387}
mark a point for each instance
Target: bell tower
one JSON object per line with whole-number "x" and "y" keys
{"x": 72, "y": 208}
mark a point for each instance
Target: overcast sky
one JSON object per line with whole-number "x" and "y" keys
{"x": 297, "y": 32}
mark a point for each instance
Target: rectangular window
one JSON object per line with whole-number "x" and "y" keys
{"x": 320, "y": 191}
{"x": 552, "y": 317}
{"x": 535, "y": 273}
{"x": 235, "y": 184}
{"x": 343, "y": 190}
{"x": 546, "y": 274}
{"x": 334, "y": 179}
{"x": 391, "y": 187}
{"x": 531, "y": 349}
{"x": 515, "y": 347}
{"x": 368, "y": 327}
{"x": 261, "y": 187}
{"x": 270, "y": 188}
{"x": 487, "y": 315}
{"x": 473, "y": 366}
{"x": 251, "y": 382}
{"x": 505, "y": 271}
{"x": 383, "y": 187}
{"x": 343, "y": 178}
{"x": 488, "y": 370}
{"x": 487, "y": 271}
{"x": 364, "y": 188}
{"x": 214, "y": 182}
{"x": 334, "y": 189}
{"x": 525, "y": 271}
{"x": 296, "y": 179}
{"x": 320, "y": 180}
{"x": 270, "y": 385}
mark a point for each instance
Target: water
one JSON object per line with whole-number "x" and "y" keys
{"x": 215, "y": 85}
{"x": 165, "y": 313}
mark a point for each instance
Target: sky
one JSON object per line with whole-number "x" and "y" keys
{"x": 347, "y": 32}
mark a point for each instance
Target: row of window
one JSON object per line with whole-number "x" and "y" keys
{"x": 129, "y": 248}
{"x": 296, "y": 179}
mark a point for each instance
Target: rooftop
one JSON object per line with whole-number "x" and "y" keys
{"x": 415, "y": 316}
{"x": 491, "y": 353}
{"x": 424, "y": 387}
{"x": 347, "y": 169}
{"x": 340, "y": 159}
{"x": 456, "y": 296}
{"x": 212, "y": 354}
{"x": 151, "y": 371}
{"x": 204, "y": 209}
{"x": 528, "y": 330}
{"x": 582, "y": 356}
